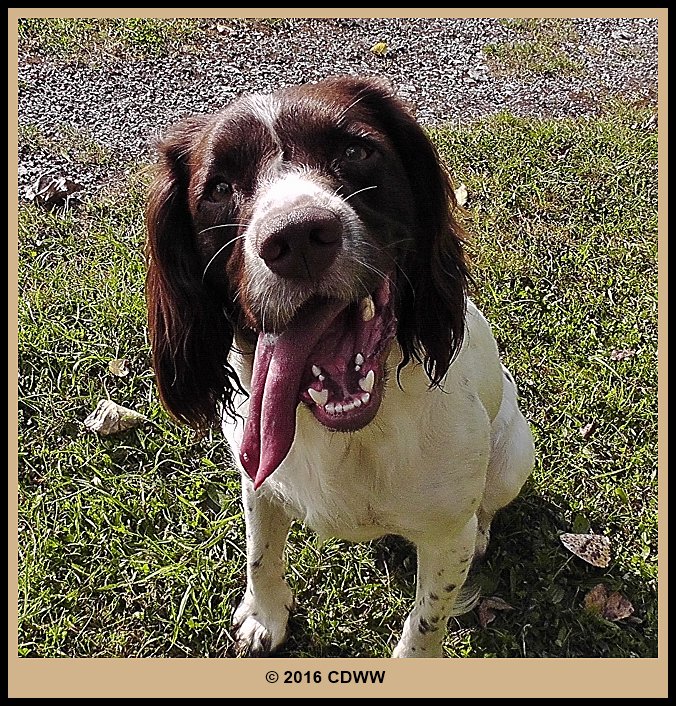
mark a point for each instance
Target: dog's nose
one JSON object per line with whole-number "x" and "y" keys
{"x": 302, "y": 243}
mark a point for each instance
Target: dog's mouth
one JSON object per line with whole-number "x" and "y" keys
{"x": 330, "y": 357}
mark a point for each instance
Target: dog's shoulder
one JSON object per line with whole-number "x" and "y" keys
{"x": 478, "y": 366}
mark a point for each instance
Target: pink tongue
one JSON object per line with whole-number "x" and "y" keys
{"x": 279, "y": 363}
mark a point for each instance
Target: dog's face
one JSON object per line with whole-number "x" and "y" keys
{"x": 310, "y": 195}
{"x": 316, "y": 222}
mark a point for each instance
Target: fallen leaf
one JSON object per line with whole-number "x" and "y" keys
{"x": 622, "y": 354}
{"x": 611, "y": 606}
{"x": 379, "y": 48}
{"x": 617, "y": 607}
{"x": 119, "y": 367}
{"x": 461, "y": 195}
{"x": 595, "y": 599}
{"x": 488, "y": 607}
{"x": 53, "y": 191}
{"x": 588, "y": 429}
{"x": 592, "y": 548}
{"x": 111, "y": 418}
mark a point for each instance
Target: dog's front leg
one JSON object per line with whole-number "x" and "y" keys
{"x": 443, "y": 563}
{"x": 260, "y": 621}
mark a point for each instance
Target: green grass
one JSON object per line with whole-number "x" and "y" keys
{"x": 133, "y": 545}
{"x": 69, "y": 142}
{"x": 94, "y": 37}
{"x": 540, "y": 46}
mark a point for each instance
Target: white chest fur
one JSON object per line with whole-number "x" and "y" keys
{"x": 421, "y": 464}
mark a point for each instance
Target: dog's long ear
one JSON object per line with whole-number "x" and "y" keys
{"x": 434, "y": 276}
{"x": 189, "y": 333}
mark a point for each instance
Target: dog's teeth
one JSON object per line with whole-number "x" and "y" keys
{"x": 366, "y": 383}
{"x": 357, "y": 368}
{"x": 359, "y": 359}
{"x": 356, "y": 402}
{"x": 319, "y": 398}
{"x": 316, "y": 371}
{"x": 330, "y": 408}
{"x": 367, "y": 308}
{"x": 339, "y": 408}
{"x": 348, "y": 406}
{"x": 365, "y": 397}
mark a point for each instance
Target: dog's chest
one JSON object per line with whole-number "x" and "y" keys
{"x": 405, "y": 475}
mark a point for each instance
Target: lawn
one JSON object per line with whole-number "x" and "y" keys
{"x": 133, "y": 544}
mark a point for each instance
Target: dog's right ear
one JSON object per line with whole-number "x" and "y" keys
{"x": 190, "y": 335}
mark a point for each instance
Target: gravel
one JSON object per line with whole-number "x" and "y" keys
{"x": 437, "y": 64}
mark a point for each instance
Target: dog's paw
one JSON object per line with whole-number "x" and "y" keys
{"x": 260, "y": 630}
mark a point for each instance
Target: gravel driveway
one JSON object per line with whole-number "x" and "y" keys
{"x": 441, "y": 65}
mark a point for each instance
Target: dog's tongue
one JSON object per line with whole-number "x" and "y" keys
{"x": 279, "y": 363}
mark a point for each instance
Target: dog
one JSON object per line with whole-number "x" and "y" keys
{"x": 308, "y": 288}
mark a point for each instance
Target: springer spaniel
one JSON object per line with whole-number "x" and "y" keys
{"x": 307, "y": 288}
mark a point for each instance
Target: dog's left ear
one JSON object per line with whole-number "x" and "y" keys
{"x": 190, "y": 334}
{"x": 432, "y": 286}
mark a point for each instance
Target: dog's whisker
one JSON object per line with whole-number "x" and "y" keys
{"x": 361, "y": 263}
{"x": 382, "y": 247}
{"x": 341, "y": 116}
{"x": 359, "y": 191}
{"x": 393, "y": 259}
{"x": 222, "y": 225}
{"x": 218, "y": 252}
{"x": 363, "y": 286}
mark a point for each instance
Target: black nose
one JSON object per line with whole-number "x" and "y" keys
{"x": 302, "y": 243}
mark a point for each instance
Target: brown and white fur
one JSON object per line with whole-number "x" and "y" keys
{"x": 314, "y": 227}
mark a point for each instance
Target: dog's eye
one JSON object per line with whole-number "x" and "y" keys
{"x": 357, "y": 153}
{"x": 218, "y": 191}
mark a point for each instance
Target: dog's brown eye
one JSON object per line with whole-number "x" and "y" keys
{"x": 357, "y": 153}
{"x": 218, "y": 191}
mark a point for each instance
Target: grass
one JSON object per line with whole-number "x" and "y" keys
{"x": 69, "y": 142}
{"x": 132, "y": 545}
{"x": 540, "y": 46}
{"x": 96, "y": 37}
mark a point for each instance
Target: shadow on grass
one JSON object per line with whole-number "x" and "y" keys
{"x": 526, "y": 566}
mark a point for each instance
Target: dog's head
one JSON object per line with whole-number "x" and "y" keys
{"x": 317, "y": 222}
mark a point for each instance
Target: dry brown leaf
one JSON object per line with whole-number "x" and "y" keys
{"x": 622, "y": 354}
{"x": 52, "y": 191}
{"x": 611, "y": 606}
{"x": 119, "y": 367}
{"x": 488, "y": 607}
{"x": 111, "y": 418}
{"x": 592, "y": 548}
{"x": 596, "y": 598}
{"x": 617, "y": 607}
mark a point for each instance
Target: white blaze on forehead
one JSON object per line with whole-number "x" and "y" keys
{"x": 265, "y": 108}
{"x": 284, "y": 192}
{"x": 293, "y": 188}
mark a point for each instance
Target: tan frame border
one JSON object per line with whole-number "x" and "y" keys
{"x": 198, "y": 678}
